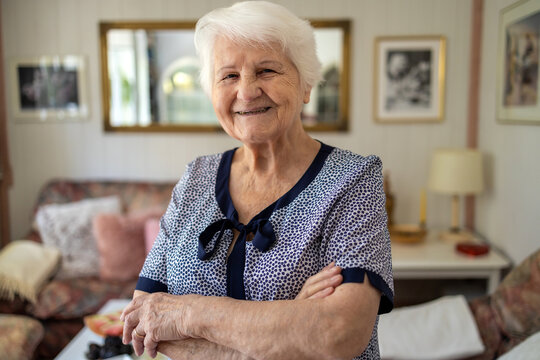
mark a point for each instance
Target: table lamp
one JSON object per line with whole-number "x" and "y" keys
{"x": 456, "y": 172}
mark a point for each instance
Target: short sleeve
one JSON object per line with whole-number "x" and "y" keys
{"x": 356, "y": 233}
{"x": 153, "y": 276}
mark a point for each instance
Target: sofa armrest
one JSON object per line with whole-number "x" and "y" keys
{"x": 78, "y": 297}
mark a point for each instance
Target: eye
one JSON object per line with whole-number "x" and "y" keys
{"x": 230, "y": 76}
{"x": 266, "y": 71}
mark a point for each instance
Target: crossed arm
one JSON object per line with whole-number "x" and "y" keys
{"x": 325, "y": 321}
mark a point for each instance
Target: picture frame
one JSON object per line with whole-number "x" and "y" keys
{"x": 409, "y": 78}
{"x": 518, "y": 84}
{"x": 49, "y": 88}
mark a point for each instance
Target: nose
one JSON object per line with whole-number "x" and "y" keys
{"x": 248, "y": 89}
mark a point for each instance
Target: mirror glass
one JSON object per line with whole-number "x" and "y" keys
{"x": 150, "y": 79}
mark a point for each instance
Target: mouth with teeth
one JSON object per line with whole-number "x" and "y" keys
{"x": 254, "y": 112}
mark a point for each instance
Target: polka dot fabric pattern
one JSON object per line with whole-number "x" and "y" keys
{"x": 338, "y": 216}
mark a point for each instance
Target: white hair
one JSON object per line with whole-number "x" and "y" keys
{"x": 258, "y": 23}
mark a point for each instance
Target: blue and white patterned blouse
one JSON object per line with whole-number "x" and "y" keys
{"x": 336, "y": 212}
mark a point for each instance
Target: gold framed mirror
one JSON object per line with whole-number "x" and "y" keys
{"x": 149, "y": 78}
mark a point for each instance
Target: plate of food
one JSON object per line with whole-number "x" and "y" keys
{"x": 107, "y": 324}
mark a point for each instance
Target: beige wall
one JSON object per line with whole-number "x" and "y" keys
{"x": 40, "y": 151}
{"x": 509, "y": 212}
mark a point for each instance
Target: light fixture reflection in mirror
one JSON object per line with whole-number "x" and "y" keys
{"x": 150, "y": 79}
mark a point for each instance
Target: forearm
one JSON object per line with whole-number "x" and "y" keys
{"x": 304, "y": 329}
{"x": 198, "y": 349}
{"x": 269, "y": 330}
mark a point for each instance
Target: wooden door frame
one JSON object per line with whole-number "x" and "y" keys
{"x": 6, "y": 178}
{"x": 475, "y": 69}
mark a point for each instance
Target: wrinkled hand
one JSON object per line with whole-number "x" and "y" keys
{"x": 321, "y": 284}
{"x": 151, "y": 318}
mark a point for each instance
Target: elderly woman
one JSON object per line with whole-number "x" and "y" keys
{"x": 278, "y": 249}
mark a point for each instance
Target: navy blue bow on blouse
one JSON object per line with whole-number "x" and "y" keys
{"x": 264, "y": 238}
{"x": 262, "y": 228}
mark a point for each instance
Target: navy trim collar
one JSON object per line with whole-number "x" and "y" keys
{"x": 224, "y": 199}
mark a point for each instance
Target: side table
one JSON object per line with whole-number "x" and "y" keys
{"x": 436, "y": 259}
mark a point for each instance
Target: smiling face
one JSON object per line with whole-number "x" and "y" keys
{"x": 256, "y": 92}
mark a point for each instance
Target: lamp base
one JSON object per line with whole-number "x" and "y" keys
{"x": 455, "y": 236}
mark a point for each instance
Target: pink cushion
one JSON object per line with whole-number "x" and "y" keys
{"x": 121, "y": 244}
{"x": 151, "y": 231}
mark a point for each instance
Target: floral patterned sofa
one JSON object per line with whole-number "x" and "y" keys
{"x": 62, "y": 303}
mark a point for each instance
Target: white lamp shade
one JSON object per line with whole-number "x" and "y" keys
{"x": 456, "y": 171}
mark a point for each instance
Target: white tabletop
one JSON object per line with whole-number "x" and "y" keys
{"x": 436, "y": 254}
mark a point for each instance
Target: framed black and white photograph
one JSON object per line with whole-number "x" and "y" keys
{"x": 49, "y": 88}
{"x": 409, "y": 79}
{"x": 518, "y": 88}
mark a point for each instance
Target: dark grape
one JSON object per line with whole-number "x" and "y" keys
{"x": 127, "y": 349}
{"x": 112, "y": 346}
{"x": 113, "y": 341}
{"x": 93, "y": 351}
{"x": 106, "y": 353}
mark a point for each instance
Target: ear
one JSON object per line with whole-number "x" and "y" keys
{"x": 307, "y": 94}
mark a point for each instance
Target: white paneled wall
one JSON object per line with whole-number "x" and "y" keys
{"x": 40, "y": 151}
